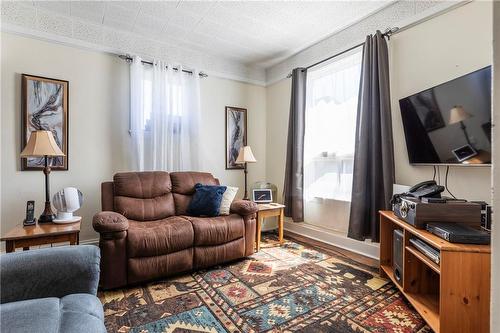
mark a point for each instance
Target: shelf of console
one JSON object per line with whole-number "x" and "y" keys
{"x": 432, "y": 239}
{"x": 427, "y": 305}
{"x": 453, "y": 296}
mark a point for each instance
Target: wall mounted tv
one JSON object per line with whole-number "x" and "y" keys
{"x": 450, "y": 123}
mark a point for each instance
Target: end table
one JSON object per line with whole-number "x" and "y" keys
{"x": 269, "y": 210}
{"x": 41, "y": 234}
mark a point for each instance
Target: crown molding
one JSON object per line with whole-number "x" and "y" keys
{"x": 62, "y": 40}
{"x": 66, "y": 41}
{"x": 398, "y": 14}
{"x": 18, "y": 18}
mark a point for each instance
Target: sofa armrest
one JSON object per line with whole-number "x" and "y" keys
{"x": 51, "y": 272}
{"x": 112, "y": 228}
{"x": 244, "y": 207}
{"x": 104, "y": 222}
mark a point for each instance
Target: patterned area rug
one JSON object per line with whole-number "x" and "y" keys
{"x": 279, "y": 289}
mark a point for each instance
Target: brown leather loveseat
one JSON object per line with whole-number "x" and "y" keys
{"x": 145, "y": 233}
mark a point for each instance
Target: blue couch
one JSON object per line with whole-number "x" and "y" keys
{"x": 51, "y": 290}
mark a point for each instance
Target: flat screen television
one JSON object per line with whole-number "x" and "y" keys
{"x": 450, "y": 123}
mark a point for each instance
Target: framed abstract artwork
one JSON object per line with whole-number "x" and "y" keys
{"x": 45, "y": 107}
{"x": 236, "y": 135}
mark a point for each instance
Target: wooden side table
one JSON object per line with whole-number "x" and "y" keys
{"x": 41, "y": 234}
{"x": 270, "y": 210}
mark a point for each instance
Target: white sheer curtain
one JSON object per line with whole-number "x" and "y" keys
{"x": 165, "y": 116}
{"x": 331, "y": 105}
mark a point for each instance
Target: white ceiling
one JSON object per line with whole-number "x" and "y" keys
{"x": 255, "y": 33}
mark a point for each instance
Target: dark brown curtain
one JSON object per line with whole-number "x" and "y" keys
{"x": 293, "y": 188}
{"x": 373, "y": 174}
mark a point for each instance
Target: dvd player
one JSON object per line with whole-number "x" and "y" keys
{"x": 427, "y": 250}
{"x": 459, "y": 233}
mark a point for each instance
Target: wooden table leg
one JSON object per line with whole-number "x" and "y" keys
{"x": 73, "y": 239}
{"x": 280, "y": 225}
{"x": 10, "y": 246}
{"x": 259, "y": 229}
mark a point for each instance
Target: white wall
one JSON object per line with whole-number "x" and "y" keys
{"x": 427, "y": 54}
{"x": 495, "y": 242}
{"x": 278, "y": 108}
{"x": 215, "y": 95}
{"x": 97, "y": 118}
{"x": 98, "y": 124}
{"x": 431, "y": 53}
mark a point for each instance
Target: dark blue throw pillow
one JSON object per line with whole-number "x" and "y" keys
{"x": 206, "y": 200}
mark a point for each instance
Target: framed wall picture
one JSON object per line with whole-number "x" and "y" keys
{"x": 45, "y": 107}
{"x": 236, "y": 135}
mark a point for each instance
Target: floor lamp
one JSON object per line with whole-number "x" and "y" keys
{"x": 42, "y": 144}
{"x": 245, "y": 156}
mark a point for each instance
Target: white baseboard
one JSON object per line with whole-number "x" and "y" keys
{"x": 336, "y": 239}
{"x": 93, "y": 241}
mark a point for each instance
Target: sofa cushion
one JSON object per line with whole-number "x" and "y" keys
{"x": 181, "y": 203}
{"x": 143, "y": 196}
{"x": 49, "y": 272}
{"x": 145, "y": 209}
{"x": 72, "y": 313}
{"x": 183, "y": 187}
{"x": 34, "y": 315}
{"x": 184, "y": 182}
{"x": 154, "y": 238}
{"x": 81, "y": 313}
{"x": 143, "y": 185}
{"x": 206, "y": 256}
{"x": 150, "y": 268}
{"x": 217, "y": 230}
{"x": 227, "y": 200}
{"x": 206, "y": 200}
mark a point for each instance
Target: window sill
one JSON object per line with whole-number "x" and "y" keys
{"x": 321, "y": 200}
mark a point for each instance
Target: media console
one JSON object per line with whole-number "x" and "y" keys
{"x": 453, "y": 296}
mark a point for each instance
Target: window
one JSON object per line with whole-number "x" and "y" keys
{"x": 148, "y": 99}
{"x": 172, "y": 93}
{"x": 164, "y": 117}
{"x": 330, "y": 128}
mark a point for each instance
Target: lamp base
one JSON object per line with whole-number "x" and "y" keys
{"x": 47, "y": 216}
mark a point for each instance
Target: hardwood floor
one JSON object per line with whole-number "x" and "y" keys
{"x": 332, "y": 249}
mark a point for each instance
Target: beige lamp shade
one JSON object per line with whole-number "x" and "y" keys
{"x": 245, "y": 156}
{"x": 458, "y": 114}
{"x": 41, "y": 143}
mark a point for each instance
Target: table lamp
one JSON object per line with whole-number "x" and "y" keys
{"x": 245, "y": 156}
{"x": 42, "y": 144}
{"x": 458, "y": 115}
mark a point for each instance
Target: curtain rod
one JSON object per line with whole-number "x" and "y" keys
{"x": 128, "y": 58}
{"x": 388, "y": 33}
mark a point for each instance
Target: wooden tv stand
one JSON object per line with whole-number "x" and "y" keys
{"x": 453, "y": 296}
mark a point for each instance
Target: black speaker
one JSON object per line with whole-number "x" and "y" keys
{"x": 397, "y": 255}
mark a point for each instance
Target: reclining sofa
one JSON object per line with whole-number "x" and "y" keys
{"x": 51, "y": 290}
{"x": 146, "y": 234}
